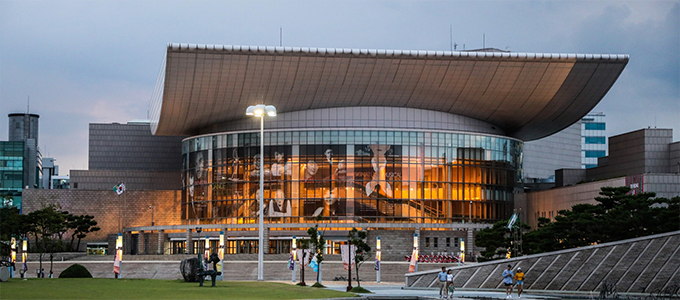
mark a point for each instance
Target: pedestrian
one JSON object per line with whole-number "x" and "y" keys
{"x": 42, "y": 273}
{"x": 449, "y": 283}
{"x": 507, "y": 280}
{"x": 442, "y": 282}
{"x": 519, "y": 282}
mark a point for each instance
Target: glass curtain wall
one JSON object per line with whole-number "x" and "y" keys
{"x": 350, "y": 176}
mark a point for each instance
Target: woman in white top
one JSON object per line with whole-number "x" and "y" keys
{"x": 449, "y": 283}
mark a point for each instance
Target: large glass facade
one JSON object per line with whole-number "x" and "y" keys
{"x": 349, "y": 176}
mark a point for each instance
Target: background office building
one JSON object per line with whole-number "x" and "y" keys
{"x": 129, "y": 154}
{"x": 645, "y": 160}
{"x": 11, "y": 172}
{"x": 593, "y": 139}
{"x": 22, "y": 143}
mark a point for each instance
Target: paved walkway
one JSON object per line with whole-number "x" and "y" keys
{"x": 394, "y": 291}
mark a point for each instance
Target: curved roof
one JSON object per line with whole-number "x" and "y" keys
{"x": 529, "y": 95}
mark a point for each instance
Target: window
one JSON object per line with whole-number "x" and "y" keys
{"x": 427, "y": 242}
{"x": 448, "y": 242}
{"x": 595, "y": 140}
{"x": 595, "y": 153}
{"x": 455, "y": 242}
{"x": 595, "y": 126}
{"x": 590, "y": 166}
{"x": 436, "y": 242}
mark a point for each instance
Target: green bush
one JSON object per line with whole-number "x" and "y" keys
{"x": 75, "y": 271}
{"x": 360, "y": 290}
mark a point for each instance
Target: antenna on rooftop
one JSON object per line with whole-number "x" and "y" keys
{"x": 280, "y": 36}
{"x": 484, "y": 41}
{"x": 28, "y": 105}
{"x": 451, "y": 36}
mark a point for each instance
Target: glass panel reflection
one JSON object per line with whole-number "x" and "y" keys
{"x": 321, "y": 174}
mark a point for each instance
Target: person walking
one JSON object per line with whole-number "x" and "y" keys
{"x": 449, "y": 284}
{"x": 519, "y": 282}
{"x": 442, "y": 283}
{"x": 507, "y": 280}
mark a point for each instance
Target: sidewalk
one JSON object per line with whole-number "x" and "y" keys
{"x": 395, "y": 291}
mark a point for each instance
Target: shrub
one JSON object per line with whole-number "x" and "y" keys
{"x": 75, "y": 271}
{"x": 360, "y": 290}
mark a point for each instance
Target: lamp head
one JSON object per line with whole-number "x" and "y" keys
{"x": 270, "y": 110}
{"x": 261, "y": 110}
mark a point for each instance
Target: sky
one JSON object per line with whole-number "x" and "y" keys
{"x": 81, "y": 62}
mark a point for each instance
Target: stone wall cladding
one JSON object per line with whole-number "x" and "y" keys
{"x": 108, "y": 208}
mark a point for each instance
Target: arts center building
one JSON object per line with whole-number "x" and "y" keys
{"x": 393, "y": 142}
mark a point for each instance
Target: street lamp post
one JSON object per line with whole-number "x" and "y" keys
{"x": 378, "y": 257}
{"x": 260, "y": 111}
{"x": 24, "y": 256}
{"x": 13, "y": 256}
{"x": 294, "y": 252}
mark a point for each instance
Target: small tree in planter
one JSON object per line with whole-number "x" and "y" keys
{"x": 317, "y": 244}
{"x": 363, "y": 250}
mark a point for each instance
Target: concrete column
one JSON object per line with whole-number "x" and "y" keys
{"x": 160, "y": 242}
{"x": 141, "y": 243}
{"x": 127, "y": 243}
{"x": 265, "y": 240}
{"x": 190, "y": 244}
{"x": 470, "y": 245}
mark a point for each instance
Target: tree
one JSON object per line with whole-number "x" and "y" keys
{"x": 9, "y": 225}
{"x": 363, "y": 250}
{"x": 48, "y": 221}
{"x": 81, "y": 225}
{"x": 618, "y": 215}
{"x": 317, "y": 244}
{"x": 496, "y": 240}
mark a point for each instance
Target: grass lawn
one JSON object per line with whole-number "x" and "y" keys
{"x": 100, "y": 288}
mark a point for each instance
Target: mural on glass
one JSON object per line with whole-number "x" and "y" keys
{"x": 420, "y": 180}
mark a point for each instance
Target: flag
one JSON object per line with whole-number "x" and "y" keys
{"x": 314, "y": 264}
{"x": 346, "y": 251}
{"x": 512, "y": 221}
{"x": 119, "y": 188}
{"x": 414, "y": 260}
{"x": 291, "y": 263}
{"x": 307, "y": 253}
{"x": 116, "y": 263}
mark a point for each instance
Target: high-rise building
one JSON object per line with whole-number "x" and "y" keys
{"x": 24, "y": 128}
{"x": 11, "y": 172}
{"x": 49, "y": 171}
{"x": 593, "y": 139}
